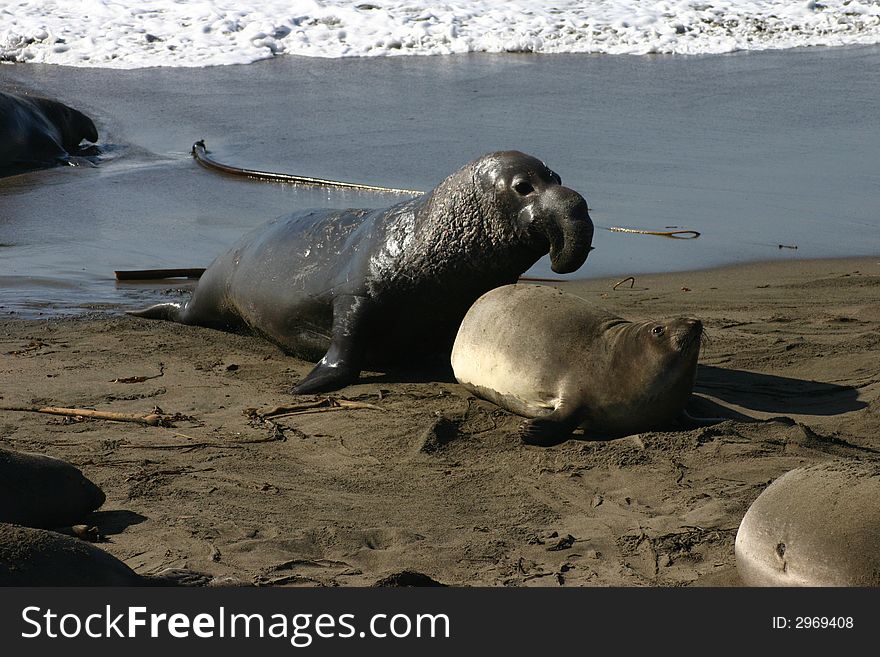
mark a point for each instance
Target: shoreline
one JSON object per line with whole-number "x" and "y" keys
{"x": 182, "y": 287}
{"x": 723, "y": 145}
{"x": 348, "y": 497}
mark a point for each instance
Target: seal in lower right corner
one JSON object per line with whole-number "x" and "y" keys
{"x": 814, "y": 526}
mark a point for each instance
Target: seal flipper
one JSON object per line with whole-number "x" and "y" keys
{"x": 168, "y": 311}
{"x": 341, "y": 364}
{"x": 551, "y": 429}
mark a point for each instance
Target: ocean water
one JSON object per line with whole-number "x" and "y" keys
{"x": 136, "y": 34}
{"x": 759, "y": 144}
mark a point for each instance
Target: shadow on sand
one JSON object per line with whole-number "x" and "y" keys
{"x": 115, "y": 522}
{"x": 768, "y": 393}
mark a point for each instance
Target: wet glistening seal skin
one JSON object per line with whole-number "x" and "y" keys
{"x": 39, "y": 131}
{"x": 357, "y": 286}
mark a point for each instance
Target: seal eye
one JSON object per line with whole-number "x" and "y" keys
{"x": 657, "y": 331}
{"x": 523, "y": 188}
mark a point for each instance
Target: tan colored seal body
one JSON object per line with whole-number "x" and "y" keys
{"x": 815, "y": 526}
{"x": 552, "y": 356}
{"x": 42, "y": 491}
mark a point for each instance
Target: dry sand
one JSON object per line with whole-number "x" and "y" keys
{"x": 435, "y": 481}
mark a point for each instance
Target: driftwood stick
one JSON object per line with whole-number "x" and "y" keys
{"x": 153, "y": 419}
{"x": 675, "y": 234}
{"x": 535, "y": 279}
{"x": 320, "y": 406}
{"x": 200, "y": 153}
{"x": 184, "y": 446}
{"x": 630, "y": 279}
{"x": 157, "y": 274}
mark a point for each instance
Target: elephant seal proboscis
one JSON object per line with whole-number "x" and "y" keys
{"x": 378, "y": 286}
{"x": 814, "y": 526}
{"x": 39, "y": 131}
{"x": 554, "y": 357}
{"x": 42, "y": 491}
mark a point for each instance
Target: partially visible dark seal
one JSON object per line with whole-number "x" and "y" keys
{"x": 814, "y": 526}
{"x": 376, "y": 286}
{"x": 557, "y": 358}
{"x": 37, "y": 557}
{"x": 39, "y": 131}
{"x": 41, "y": 491}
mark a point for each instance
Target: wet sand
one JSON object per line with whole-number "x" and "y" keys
{"x": 434, "y": 480}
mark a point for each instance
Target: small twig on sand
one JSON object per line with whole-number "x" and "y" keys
{"x": 141, "y": 379}
{"x": 185, "y": 446}
{"x": 152, "y": 419}
{"x": 535, "y": 279}
{"x": 319, "y": 406}
{"x": 631, "y": 279}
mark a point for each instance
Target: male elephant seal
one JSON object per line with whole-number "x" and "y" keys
{"x": 37, "y": 557}
{"x": 814, "y": 526}
{"x": 40, "y": 131}
{"x": 387, "y": 285}
{"x": 41, "y": 491}
{"x": 554, "y": 357}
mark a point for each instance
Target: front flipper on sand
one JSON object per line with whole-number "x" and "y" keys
{"x": 551, "y": 429}
{"x": 326, "y": 377}
{"x": 170, "y": 312}
{"x": 341, "y": 365}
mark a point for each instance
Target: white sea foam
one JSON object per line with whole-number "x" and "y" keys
{"x": 139, "y": 33}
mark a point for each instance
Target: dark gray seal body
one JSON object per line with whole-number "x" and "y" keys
{"x": 554, "y": 357}
{"x": 42, "y": 491}
{"x": 356, "y": 286}
{"x": 37, "y": 557}
{"x": 38, "y": 131}
{"x": 814, "y": 526}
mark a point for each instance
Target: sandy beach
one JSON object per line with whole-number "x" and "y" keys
{"x": 770, "y": 155}
{"x": 430, "y": 479}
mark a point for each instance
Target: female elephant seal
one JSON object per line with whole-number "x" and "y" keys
{"x": 393, "y": 284}
{"x": 554, "y": 357}
{"x": 42, "y": 491}
{"x": 814, "y": 526}
{"x": 40, "y": 131}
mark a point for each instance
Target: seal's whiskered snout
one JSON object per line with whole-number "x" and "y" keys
{"x": 685, "y": 333}
{"x": 704, "y": 339}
